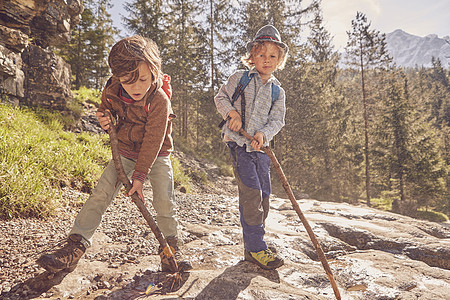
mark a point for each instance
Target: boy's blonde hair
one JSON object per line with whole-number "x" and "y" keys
{"x": 257, "y": 46}
{"x": 126, "y": 54}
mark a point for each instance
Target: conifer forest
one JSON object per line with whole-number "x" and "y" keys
{"x": 358, "y": 127}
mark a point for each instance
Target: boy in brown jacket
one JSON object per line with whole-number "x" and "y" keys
{"x": 138, "y": 98}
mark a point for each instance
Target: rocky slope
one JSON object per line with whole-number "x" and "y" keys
{"x": 30, "y": 73}
{"x": 373, "y": 254}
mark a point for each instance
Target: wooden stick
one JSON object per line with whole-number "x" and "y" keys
{"x": 139, "y": 203}
{"x": 297, "y": 209}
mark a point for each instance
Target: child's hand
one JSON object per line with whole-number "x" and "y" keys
{"x": 235, "y": 121}
{"x": 137, "y": 187}
{"x": 103, "y": 120}
{"x": 258, "y": 141}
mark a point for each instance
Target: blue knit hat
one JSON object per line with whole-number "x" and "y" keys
{"x": 268, "y": 33}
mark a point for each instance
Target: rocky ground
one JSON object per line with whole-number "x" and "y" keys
{"x": 373, "y": 254}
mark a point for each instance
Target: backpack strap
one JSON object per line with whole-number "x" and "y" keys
{"x": 243, "y": 82}
{"x": 275, "y": 94}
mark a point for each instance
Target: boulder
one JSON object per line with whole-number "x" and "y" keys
{"x": 29, "y": 72}
{"x": 47, "y": 79}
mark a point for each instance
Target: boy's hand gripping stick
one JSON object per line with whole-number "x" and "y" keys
{"x": 297, "y": 209}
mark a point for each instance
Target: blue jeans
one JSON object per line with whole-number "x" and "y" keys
{"x": 252, "y": 172}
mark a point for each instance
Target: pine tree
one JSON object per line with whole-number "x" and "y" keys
{"x": 440, "y": 89}
{"x": 75, "y": 52}
{"x": 407, "y": 151}
{"x": 366, "y": 49}
{"x": 90, "y": 42}
{"x": 219, "y": 33}
{"x": 222, "y": 33}
{"x": 185, "y": 61}
{"x": 327, "y": 124}
{"x": 429, "y": 92}
{"x": 148, "y": 19}
{"x": 101, "y": 42}
{"x": 394, "y": 131}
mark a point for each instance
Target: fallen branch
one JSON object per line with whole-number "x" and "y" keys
{"x": 297, "y": 209}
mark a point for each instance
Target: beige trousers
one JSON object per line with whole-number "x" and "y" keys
{"x": 161, "y": 179}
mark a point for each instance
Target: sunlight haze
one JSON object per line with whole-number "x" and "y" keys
{"x": 415, "y": 17}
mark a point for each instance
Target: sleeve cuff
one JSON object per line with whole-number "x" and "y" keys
{"x": 139, "y": 176}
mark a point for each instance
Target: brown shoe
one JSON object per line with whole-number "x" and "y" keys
{"x": 65, "y": 258}
{"x": 183, "y": 265}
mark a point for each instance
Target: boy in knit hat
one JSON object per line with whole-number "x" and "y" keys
{"x": 262, "y": 117}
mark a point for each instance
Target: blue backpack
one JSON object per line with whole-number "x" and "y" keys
{"x": 243, "y": 82}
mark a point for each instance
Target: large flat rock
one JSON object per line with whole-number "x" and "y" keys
{"x": 373, "y": 255}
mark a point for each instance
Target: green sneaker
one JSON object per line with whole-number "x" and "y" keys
{"x": 266, "y": 259}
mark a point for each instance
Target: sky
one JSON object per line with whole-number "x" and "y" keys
{"x": 417, "y": 17}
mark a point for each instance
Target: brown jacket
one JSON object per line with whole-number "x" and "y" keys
{"x": 147, "y": 133}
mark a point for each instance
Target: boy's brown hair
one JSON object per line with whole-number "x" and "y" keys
{"x": 126, "y": 54}
{"x": 247, "y": 59}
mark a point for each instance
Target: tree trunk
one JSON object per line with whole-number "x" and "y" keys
{"x": 212, "y": 43}
{"x": 366, "y": 131}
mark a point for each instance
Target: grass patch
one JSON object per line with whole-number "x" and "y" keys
{"x": 221, "y": 159}
{"x": 55, "y": 120}
{"x": 180, "y": 178}
{"x": 422, "y": 214}
{"x": 38, "y": 158}
{"x": 381, "y": 203}
{"x": 432, "y": 216}
{"x": 83, "y": 94}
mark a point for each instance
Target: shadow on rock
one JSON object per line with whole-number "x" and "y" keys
{"x": 37, "y": 285}
{"x": 158, "y": 283}
{"x": 235, "y": 279}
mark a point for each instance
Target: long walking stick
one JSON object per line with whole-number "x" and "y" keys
{"x": 126, "y": 182}
{"x": 297, "y": 209}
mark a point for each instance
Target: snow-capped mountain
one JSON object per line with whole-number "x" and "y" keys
{"x": 410, "y": 50}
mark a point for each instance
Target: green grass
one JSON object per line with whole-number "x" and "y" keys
{"x": 423, "y": 214}
{"x": 87, "y": 95}
{"x": 179, "y": 175}
{"x": 38, "y": 158}
{"x": 432, "y": 216}
{"x": 381, "y": 203}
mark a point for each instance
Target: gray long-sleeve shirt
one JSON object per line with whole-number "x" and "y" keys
{"x": 261, "y": 114}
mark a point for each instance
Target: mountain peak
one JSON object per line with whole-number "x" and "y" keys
{"x": 409, "y": 50}
{"x": 397, "y": 31}
{"x": 432, "y": 36}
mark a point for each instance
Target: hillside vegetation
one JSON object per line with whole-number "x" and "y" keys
{"x": 39, "y": 158}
